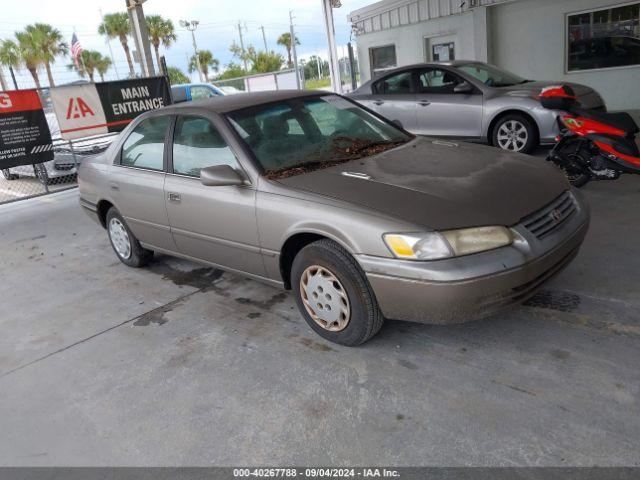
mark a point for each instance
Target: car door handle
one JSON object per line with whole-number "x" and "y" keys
{"x": 424, "y": 103}
{"x": 378, "y": 102}
{"x": 174, "y": 197}
{"x": 113, "y": 186}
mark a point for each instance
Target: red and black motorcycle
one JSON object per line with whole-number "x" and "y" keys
{"x": 593, "y": 145}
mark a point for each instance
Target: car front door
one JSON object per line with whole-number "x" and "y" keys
{"x": 216, "y": 224}
{"x": 441, "y": 111}
{"x": 393, "y": 97}
{"x": 136, "y": 182}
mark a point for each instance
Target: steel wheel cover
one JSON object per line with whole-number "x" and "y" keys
{"x": 119, "y": 238}
{"x": 512, "y": 135}
{"x": 324, "y": 298}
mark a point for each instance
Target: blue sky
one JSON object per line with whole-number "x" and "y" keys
{"x": 217, "y": 30}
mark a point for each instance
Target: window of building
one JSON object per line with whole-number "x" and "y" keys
{"x": 395, "y": 84}
{"x": 382, "y": 58}
{"x": 604, "y": 38}
{"x": 198, "y": 144}
{"x": 144, "y": 148}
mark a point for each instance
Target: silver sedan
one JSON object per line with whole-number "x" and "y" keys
{"x": 468, "y": 100}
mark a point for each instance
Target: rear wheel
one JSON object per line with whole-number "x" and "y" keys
{"x": 6, "y": 173}
{"x": 516, "y": 133}
{"x": 334, "y": 295}
{"x": 124, "y": 243}
{"x": 576, "y": 175}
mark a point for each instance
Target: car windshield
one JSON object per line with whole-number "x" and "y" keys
{"x": 490, "y": 75}
{"x": 303, "y": 134}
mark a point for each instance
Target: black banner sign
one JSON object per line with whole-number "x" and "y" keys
{"x": 24, "y": 133}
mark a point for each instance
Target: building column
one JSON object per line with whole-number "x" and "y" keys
{"x": 480, "y": 34}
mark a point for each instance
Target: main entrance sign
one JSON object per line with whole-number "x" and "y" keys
{"x": 98, "y": 108}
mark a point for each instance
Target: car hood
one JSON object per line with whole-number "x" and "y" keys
{"x": 441, "y": 185}
{"x": 587, "y": 96}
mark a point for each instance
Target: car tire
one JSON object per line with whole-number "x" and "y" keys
{"x": 333, "y": 294}
{"x": 6, "y": 173}
{"x": 40, "y": 171}
{"x": 124, "y": 242}
{"x": 516, "y": 133}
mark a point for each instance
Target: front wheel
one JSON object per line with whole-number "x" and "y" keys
{"x": 516, "y": 133}
{"x": 334, "y": 295}
{"x": 41, "y": 173}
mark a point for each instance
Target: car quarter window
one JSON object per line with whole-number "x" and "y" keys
{"x": 437, "y": 80}
{"x": 144, "y": 148}
{"x": 197, "y": 144}
{"x": 398, "y": 83}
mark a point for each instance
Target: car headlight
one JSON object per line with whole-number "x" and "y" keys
{"x": 449, "y": 243}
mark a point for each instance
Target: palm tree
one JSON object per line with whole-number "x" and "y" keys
{"x": 30, "y": 54}
{"x": 49, "y": 42}
{"x": 160, "y": 31}
{"x": 285, "y": 41}
{"x": 116, "y": 25}
{"x": 102, "y": 67}
{"x": 9, "y": 57}
{"x": 206, "y": 60}
{"x": 91, "y": 61}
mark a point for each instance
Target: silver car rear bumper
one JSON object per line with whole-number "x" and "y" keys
{"x": 466, "y": 288}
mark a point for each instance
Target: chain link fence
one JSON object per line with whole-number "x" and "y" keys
{"x": 26, "y": 181}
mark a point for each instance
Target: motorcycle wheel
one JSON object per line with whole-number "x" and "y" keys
{"x": 578, "y": 177}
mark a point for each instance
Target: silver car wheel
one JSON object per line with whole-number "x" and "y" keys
{"x": 119, "y": 238}
{"x": 512, "y": 135}
{"x": 324, "y": 298}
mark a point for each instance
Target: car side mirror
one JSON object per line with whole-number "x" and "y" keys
{"x": 220, "y": 176}
{"x": 464, "y": 87}
{"x": 397, "y": 123}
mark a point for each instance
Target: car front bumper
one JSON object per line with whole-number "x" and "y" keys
{"x": 466, "y": 288}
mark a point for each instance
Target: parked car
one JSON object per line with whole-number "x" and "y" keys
{"x": 361, "y": 219}
{"x": 186, "y": 92}
{"x": 468, "y": 100}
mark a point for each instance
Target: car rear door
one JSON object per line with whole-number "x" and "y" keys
{"x": 442, "y": 112}
{"x": 216, "y": 224}
{"x": 136, "y": 182}
{"x": 393, "y": 97}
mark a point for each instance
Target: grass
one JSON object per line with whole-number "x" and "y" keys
{"x": 314, "y": 83}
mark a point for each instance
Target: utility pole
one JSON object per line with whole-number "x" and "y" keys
{"x": 244, "y": 59}
{"x": 113, "y": 60}
{"x": 264, "y": 39}
{"x": 293, "y": 48}
{"x": 191, "y": 26}
{"x": 334, "y": 67}
{"x": 141, "y": 36}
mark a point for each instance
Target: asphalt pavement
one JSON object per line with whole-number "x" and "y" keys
{"x": 178, "y": 364}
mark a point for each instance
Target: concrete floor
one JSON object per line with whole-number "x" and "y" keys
{"x": 176, "y": 364}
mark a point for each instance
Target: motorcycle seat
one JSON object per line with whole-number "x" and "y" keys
{"x": 620, "y": 120}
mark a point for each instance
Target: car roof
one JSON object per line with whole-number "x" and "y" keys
{"x": 450, "y": 63}
{"x": 237, "y": 102}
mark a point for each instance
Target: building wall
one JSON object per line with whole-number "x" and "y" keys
{"x": 528, "y": 37}
{"x": 468, "y": 27}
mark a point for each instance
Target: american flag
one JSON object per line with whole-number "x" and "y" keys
{"x": 76, "y": 48}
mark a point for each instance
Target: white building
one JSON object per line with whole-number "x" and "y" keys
{"x": 594, "y": 42}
